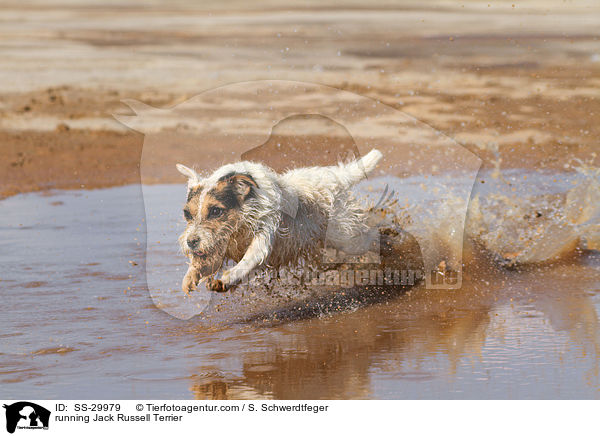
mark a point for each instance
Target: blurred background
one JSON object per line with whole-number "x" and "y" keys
{"x": 511, "y": 80}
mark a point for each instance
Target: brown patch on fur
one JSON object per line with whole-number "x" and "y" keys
{"x": 239, "y": 242}
{"x": 192, "y": 206}
{"x": 242, "y": 184}
{"x": 195, "y": 191}
{"x": 230, "y": 236}
{"x": 210, "y": 201}
{"x": 229, "y": 194}
{"x": 229, "y": 219}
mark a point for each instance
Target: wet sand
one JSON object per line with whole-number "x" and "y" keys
{"x": 518, "y": 87}
{"x": 521, "y": 79}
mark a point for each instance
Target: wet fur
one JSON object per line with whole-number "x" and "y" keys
{"x": 270, "y": 219}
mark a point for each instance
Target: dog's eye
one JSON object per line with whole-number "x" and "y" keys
{"x": 215, "y": 212}
{"x": 187, "y": 215}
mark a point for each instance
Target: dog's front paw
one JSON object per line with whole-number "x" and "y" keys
{"x": 188, "y": 286}
{"x": 216, "y": 285}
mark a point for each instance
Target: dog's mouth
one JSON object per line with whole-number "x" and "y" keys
{"x": 206, "y": 262}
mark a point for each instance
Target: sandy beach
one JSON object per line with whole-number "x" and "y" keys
{"x": 520, "y": 79}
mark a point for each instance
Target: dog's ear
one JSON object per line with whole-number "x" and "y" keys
{"x": 188, "y": 172}
{"x": 243, "y": 185}
{"x": 193, "y": 177}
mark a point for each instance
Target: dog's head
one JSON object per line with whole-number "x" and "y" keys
{"x": 214, "y": 211}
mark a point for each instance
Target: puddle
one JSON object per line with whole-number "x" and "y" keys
{"x": 80, "y": 320}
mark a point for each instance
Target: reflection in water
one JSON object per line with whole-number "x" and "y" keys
{"x": 336, "y": 356}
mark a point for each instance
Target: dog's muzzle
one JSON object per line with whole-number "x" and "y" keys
{"x": 193, "y": 243}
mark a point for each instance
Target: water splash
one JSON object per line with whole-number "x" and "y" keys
{"x": 525, "y": 218}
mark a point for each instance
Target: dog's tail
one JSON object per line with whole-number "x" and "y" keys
{"x": 359, "y": 169}
{"x": 370, "y": 160}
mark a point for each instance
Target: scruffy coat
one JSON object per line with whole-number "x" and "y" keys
{"x": 248, "y": 213}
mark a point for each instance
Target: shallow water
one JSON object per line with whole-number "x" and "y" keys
{"x": 79, "y": 320}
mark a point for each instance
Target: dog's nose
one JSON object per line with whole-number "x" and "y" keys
{"x": 193, "y": 242}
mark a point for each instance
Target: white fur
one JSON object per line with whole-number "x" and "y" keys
{"x": 292, "y": 215}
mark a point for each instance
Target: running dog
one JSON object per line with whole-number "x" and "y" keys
{"x": 248, "y": 213}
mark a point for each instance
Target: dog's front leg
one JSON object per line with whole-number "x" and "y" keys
{"x": 257, "y": 253}
{"x": 190, "y": 280}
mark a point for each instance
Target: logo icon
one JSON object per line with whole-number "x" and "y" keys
{"x": 26, "y": 415}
